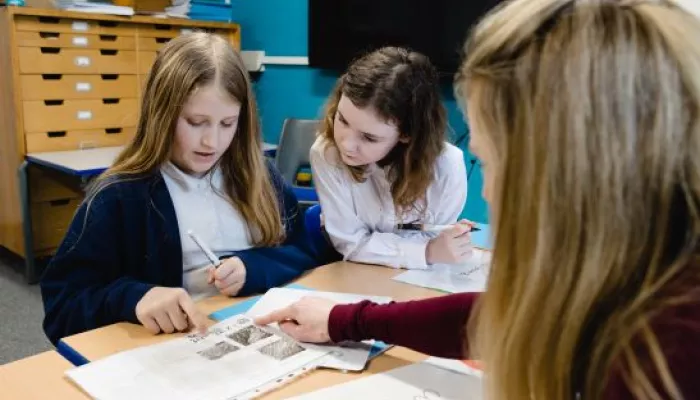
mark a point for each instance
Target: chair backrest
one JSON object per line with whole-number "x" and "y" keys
{"x": 298, "y": 135}
{"x": 312, "y": 222}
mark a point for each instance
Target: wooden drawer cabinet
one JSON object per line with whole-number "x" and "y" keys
{"x": 70, "y": 81}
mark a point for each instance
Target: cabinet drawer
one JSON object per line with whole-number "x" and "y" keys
{"x": 67, "y": 87}
{"x": 74, "y": 40}
{"x": 54, "y": 60}
{"x": 151, "y": 43}
{"x": 45, "y": 116}
{"x": 34, "y": 23}
{"x": 50, "y": 221}
{"x": 164, "y": 30}
{"x": 46, "y": 186}
{"x": 146, "y": 60}
{"x": 77, "y": 139}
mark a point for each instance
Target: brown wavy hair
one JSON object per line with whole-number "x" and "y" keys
{"x": 186, "y": 63}
{"x": 402, "y": 87}
{"x": 591, "y": 110}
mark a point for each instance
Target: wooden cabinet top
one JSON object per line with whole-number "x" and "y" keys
{"x": 138, "y": 19}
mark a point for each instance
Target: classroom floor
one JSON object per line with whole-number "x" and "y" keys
{"x": 21, "y": 313}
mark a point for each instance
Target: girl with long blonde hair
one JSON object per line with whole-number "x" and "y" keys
{"x": 586, "y": 115}
{"x": 195, "y": 165}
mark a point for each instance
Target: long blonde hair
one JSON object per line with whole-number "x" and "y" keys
{"x": 186, "y": 63}
{"x": 401, "y": 86}
{"x": 592, "y": 109}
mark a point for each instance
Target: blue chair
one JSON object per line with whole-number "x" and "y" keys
{"x": 296, "y": 139}
{"x": 312, "y": 222}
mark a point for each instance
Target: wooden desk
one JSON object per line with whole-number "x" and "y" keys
{"x": 38, "y": 377}
{"x": 337, "y": 277}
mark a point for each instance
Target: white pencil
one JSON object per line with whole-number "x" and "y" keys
{"x": 205, "y": 249}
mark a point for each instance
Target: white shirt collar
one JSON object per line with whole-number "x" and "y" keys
{"x": 189, "y": 182}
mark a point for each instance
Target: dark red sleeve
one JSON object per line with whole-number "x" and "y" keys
{"x": 435, "y": 326}
{"x": 678, "y": 333}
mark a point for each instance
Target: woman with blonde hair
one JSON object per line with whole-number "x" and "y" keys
{"x": 382, "y": 168}
{"x": 586, "y": 116}
{"x": 195, "y": 165}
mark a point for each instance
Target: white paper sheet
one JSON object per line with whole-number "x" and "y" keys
{"x": 420, "y": 381}
{"x": 459, "y": 278}
{"x": 234, "y": 360}
{"x": 348, "y": 356}
{"x": 461, "y": 366}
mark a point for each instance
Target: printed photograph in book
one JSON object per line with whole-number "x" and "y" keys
{"x": 249, "y": 335}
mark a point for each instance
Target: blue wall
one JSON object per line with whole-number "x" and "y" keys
{"x": 279, "y": 27}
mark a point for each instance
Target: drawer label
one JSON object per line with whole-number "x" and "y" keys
{"x": 84, "y": 115}
{"x": 80, "y": 41}
{"x": 80, "y": 26}
{"x": 83, "y": 87}
{"x": 82, "y": 61}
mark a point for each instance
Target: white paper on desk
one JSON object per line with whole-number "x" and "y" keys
{"x": 235, "y": 360}
{"x": 349, "y": 356}
{"x": 458, "y": 278}
{"x": 420, "y": 381}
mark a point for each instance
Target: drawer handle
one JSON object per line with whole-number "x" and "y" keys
{"x": 60, "y": 202}
{"x": 108, "y": 52}
{"x": 162, "y": 27}
{"x": 162, "y": 40}
{"x": 108, "y": 24}
{"x": 49, "y": 35}
{"x": 49, "y": 20}
{"x": 53, "y": 103}
{"x": 109, "y": 77}
{"x": 51, "y": 77}
{"x": 110, "y": 101}
{"x": 50, "y": 50}
{"x": 113, "y": 131}
{"x": 55, "y": 134}
{"x": 108, "y": 38}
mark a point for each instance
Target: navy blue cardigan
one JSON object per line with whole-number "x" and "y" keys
{"x": 130, "y": 243}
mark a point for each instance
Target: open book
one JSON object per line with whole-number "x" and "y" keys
{"x": 234, "y": 360}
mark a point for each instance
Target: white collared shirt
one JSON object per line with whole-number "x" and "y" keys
{"x": 201, "y": 206}
{"x": 361, "y": 220}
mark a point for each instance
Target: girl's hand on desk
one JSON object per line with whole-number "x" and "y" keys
{"x": 452, "y": 246}
{"x": 306, "y": 320}
{"x": 169, "y": 310}
{"x": 229, "y": 277}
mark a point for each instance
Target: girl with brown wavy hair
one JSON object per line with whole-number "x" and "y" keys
{"x": 382, "y": 167}
{"x": 196, "y": 163}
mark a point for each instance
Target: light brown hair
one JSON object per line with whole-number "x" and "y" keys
{"x": 592, "y": 108}
{"x": 402, "y": 87}
{"x": 186, "y": 63}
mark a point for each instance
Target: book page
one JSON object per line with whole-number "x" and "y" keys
{"x": 346, "y": 356}
{"x": 420, "y": 381}
{"x": 470, "y": 276}
{"x": 233, "y": 360}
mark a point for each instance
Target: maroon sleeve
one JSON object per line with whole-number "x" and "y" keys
{"x": 435, "y": 326}
{"x": 678, "y": 333}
